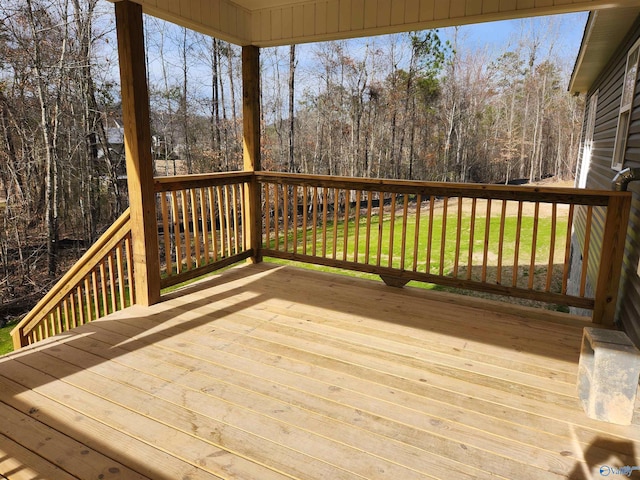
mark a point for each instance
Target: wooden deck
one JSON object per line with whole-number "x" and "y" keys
{"x": 268, "y": 372}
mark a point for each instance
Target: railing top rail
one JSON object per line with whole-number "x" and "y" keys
{"x": 469, "y": 190}
{"x": 167, "y": 184}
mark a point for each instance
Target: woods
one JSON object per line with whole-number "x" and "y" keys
{"x": 409, "y": 106}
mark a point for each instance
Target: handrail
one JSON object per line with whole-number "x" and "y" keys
{"x": 87, "y": 291}
{"x": 441, "y": 189}
{"x": 349, "y": 223}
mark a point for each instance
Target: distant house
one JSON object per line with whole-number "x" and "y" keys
{"x": 606, "y": 71}
{"x": 115, "y": 144}
{"x": 165, "y": 161}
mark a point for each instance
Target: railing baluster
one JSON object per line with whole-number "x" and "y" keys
{"x": 305, "y": 208}
{"x": 516, "y": 251}
{"x": 430, "y": 234}
{"x": 276, "y": 216}
{"x": 96, "y": 298}
{"x": 345, "y": 227}
{"x": 585, "y": 252}
{"x": 295, "y": 218}
{"x": 314, "y": 207}
{"x": 112, "y": 282}
{"x": 456, "y": 260}
{"x": 443, "y": 237}
{"x": 46, "y": 328}
{"x": 336, "y": 207}
{"x": 356, "y": 232}
{"x": 214, "y": 223}
{"x": 103, "y": 285}
{"x": 552, "y": 246}
{"x": 534, "y": 246}
{"x": 87, "y": 299}
{"x": 59, "y": 318}
{"x": 187, "y": 233}
{"x": 472, "y": 230}
{"x": 196, "y": 230}
{"x": 243, "y": 218}
{"x": 227, "y": 219}
{"x": 380, "y": 227}
{"x": 285, "y": 216}
{"x": 79, "y": 296}
{"x": 567, "y": 251}
{"x": 325, "y": 207}
{"x": 267, "y": 199}
{"x": 403, "y": 245}
{"x": 368, "y": 239}
{"x": 416, "y": 237}
{"x": 503, "y": 217}
{"x": 120, "y": 271}
{"x": 487, "y": 229}
{"x": 176, "y": 230}
{"x": 128, "y": 248}
{"x": 221, "y": 219}
{"x": 204, "y": 223}
{"x": 392, "y": 224}
{"x": 166, "y": 234}
{"x": 73, "y": 320}
{"x": 236, "y": 223}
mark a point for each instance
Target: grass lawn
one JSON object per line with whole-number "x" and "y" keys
{"x": 6, "y": 345}
{"x": 451, "y": 246}
{"x": 449, "y": 252}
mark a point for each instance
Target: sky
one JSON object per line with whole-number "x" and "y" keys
{"x": 565, "y": 30}
{"x": 561, "y": 33}
{"x": 558, "y": 36}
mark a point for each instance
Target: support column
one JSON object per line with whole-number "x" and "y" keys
{"x": 251, "y": 143}
{"x": 614, "y": 238}
{"x": 137, "y": 141}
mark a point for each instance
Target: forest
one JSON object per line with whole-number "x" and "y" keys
{"x": 409, "y": 106}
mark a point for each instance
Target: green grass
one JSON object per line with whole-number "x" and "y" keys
{"x": 448, "y": 253}
{"x": 544, "y": 239}
{"x": 6, "y": 344}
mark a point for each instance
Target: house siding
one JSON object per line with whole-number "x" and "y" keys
{"x": 609, "y": 88}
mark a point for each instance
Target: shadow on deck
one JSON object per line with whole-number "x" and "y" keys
{"x": 275, "y": 372}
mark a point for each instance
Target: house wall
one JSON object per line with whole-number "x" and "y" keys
{"x": 609, "y": 88}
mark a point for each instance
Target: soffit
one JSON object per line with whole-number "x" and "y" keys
{"x": 282, "y": 22}
{"x": 605, "y": 30}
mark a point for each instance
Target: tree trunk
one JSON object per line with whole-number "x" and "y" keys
{"x": 49, "y": 140}
{"x": 292, "y": 75}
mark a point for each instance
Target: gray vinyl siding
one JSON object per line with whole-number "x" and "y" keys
{"x": 609, "y": 87}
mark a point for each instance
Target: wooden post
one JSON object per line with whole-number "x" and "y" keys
{"x": 613, "y": 241}
{"x": 137, "y": 141}
{"x": 251, "y": 144}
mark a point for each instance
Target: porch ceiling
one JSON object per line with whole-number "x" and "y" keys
{"x": 281, "y": 22}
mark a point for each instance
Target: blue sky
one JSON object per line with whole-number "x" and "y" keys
{"x": 566, "y": 30}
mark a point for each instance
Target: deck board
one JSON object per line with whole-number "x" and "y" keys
{"x": 268, "y": 372}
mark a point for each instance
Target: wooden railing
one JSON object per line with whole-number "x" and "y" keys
{"x": 101, "y": 282}
{"x": 512, "y": 241}
{"x": 202, "y": 225}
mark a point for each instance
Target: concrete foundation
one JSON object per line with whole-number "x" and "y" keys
{"x": 608, "y": 375}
